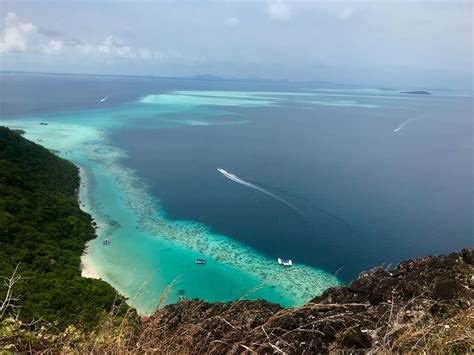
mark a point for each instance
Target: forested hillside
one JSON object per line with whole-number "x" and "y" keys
{"x": 43, "y": 230}
{"x": 421, "y": 306}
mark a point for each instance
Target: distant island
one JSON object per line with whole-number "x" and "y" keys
{"x": 417, "y": 92}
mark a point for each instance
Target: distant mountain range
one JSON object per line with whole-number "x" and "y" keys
{"x": 210, "y": 77}
{"x": 320, "y": 83}
{"x": 203, "y": 77}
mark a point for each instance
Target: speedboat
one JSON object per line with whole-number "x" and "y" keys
{"x": 285, "y": 262}
{"x": 106, "y": 242}
{"x": 200, "y": 261}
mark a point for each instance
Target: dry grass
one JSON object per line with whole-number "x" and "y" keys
{"x": 116, "y": 334}
{"x": 401, "y": 328}
{"x": 454, "y": 334}
{"x": 420, "y": 333}
{"x": 121, "y": 334}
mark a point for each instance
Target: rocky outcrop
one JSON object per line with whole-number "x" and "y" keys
{"x": 422, "y": 305}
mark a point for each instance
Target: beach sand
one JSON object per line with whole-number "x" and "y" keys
{"x": 89, "y": 268}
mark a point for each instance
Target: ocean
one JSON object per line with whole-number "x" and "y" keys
{"x": 337, "y": 179}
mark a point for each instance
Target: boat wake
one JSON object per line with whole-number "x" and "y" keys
{"x": 308, "y": 204}
{"x": 240, "y": 181}
{"x": 402, "y": 125}
{"x": 405, "y": 123}
{"x": 104, "y": 98}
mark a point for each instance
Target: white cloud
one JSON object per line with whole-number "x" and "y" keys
{"x": 53, "y": 46}
{"x": 145, "y": 54}
{"x": 114, "y": 48}
{"x": 346, "y": 13}
{"x": 232, "y": 21}
{"x": 26, "y": 38}
{"x": 278, "y": 10}
{"x": 17, "y": 36}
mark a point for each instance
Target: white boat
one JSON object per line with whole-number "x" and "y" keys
{"x": 285, "y": 262}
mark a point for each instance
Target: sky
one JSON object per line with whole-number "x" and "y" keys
{"x": 391, "y": 43}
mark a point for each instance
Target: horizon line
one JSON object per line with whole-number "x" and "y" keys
{"x": 210, "y": 77}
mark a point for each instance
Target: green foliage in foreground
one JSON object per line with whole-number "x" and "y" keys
{"x": 43, "y": 229}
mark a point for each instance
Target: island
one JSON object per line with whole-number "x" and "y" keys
{"x": 417, "y": 92}
{"x": 43, "y": 234}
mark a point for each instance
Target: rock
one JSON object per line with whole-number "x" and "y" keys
{"x": 446, "y": 289}
{"x": 468, "y": 255}
{"x": 421, "y": 291}
{"x": 356, "y": 339}
{"x": 464, "y": 303}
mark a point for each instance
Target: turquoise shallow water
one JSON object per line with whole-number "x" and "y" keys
{"x": 375, "y": 177}
{"x": 149, "y": 252}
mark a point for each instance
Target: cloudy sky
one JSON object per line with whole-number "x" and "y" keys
{"x": 423, "y": 43}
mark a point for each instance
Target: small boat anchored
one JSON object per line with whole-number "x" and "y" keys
{"x": 200, "y": 261}
{"x": 106, "y": 241}
{"x": 285, "y": 262}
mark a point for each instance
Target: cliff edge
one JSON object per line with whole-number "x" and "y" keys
{"x": 423, "y": 304}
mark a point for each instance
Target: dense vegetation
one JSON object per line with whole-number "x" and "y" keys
{"x": 43, "y": 230}
{"x": 421, "y": 306}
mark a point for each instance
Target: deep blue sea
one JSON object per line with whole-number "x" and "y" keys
{"x": 373, "y": 176}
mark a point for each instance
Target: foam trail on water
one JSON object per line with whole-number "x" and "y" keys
{"x": 240, "y": 181}
{"x": 105, "y": 98}
{"x": 401, "y": 125}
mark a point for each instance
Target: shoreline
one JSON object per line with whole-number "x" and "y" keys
{"x": 149, "y": 252}
{"x": 88, "y": 268}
